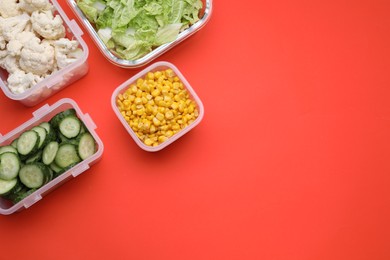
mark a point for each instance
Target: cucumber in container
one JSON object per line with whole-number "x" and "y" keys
{"x": 35, "y": 159}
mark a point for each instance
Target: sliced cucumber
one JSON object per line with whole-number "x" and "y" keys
{"x": 49, "y": 152}
{"x": 28, "y": 142}
{"x": 63, "y": 139}
{"x": 70, "y": 126}
{"x": 55, "y": 121}
{"x": 35, "y": 157}
{"x": 8, "y": 148}
{"x": 7, "y": 186}
{"x": 9, "y": 166}
{"x": 14, "y": 143}
{"x": 66, "y": 155}
{"x": 34, "y": 175}
{"x": 57, "y": 169}
{"x": 51, "y": 134}
{"x": 42, "y": 135}
{"x": 86, "y": 147}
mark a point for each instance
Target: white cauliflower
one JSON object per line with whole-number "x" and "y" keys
{"x": 2, "y": 42}
{"x": 47, "y": 25}
{"x": 10, "y": 27}
{"x": 20, "y": 81}
{"x": 9, "y": 8}
{"x": 30, "y": 6}
{"x": 32, "y": 47}
{"x": 10, "y": 63}
{"x": 14, "y": 47}
{"x": 37, "y": 57}
{"x": 66, "y": 52}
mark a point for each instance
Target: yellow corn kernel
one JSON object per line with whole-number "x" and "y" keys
{"x": 156, "y": 92}
{"x": 148, "y": 141}
{"x": 196, "y": 113}
{"x": 162, "y": 138}
{"x": 169, "y": 133}
{"x": 191, "y": 108}
{"x": 157, "y": 74}
{"x": 169, "y": 114}
{"x": 137, "y": 101}
{"x": 152, "y": 129}
{"x": 140, "y": 81}
{"x": 175, "y": 126}
{"x": 133, "y": 89}
{"x": 156, "y": 122}
{"x": 120, "y": 97}
{"x": 160, "y": 116}
{"x": 150, "y": 75}
{"x": 175, "y": 106}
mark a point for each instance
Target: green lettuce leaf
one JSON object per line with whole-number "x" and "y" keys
{"x": 132, "y": 28}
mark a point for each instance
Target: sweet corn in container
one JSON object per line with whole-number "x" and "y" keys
{"x": 157, "y": 106}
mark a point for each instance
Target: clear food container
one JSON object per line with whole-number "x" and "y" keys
{"x": 110, "y": 56}
{"x": 44, "y": 114}
{"x": 158, "y": 66}
{"x": 59, "y": 79}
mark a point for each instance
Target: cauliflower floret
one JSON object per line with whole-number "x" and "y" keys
{"x": 2, "y": 42}
{"x": 9, "y": 8}
{"x": 66, "y": 52}
{"x": 10, "y": 63}
{"x": 37, "y": 57}
{"x": 20, "y": 81}
{"x": 12, "y": 26}
{"x": 47, "y": 25}
{"x": 30, "y": 6}
{"x": 14, "y": 47}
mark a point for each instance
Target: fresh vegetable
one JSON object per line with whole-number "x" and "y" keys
{"x": 157, "y": 106}
{"x": 33, "y": 44}
{"x": 133, "y": 28}
{"x": 43, "y": 152}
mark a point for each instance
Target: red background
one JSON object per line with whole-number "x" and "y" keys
{"x": 291, "y": 160}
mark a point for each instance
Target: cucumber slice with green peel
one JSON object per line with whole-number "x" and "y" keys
{"x": 28, "y": 142}
{"x": 66, "y": 155}
{"x": 55, "y": 121}
{"x": 63, "y": 139}
{"x": 8, "y": 148}
{"x": 14, "y": 143}
{"x": 7, "y": 186}
{"x": 86, "y": 147}
{"x": 50, "y": 152}
{"x": 70, "y": 126}
{"x": 35, "y": 157}
{"x": 9, "y": 166}
{"x": 42, "y": 135}
{"x": 51, "y": 134}
{"x": 55, "y": 167}
{"x": 34, "y": 175}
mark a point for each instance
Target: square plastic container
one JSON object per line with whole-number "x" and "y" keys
{"x": 158, "y": 66}
{"x": 110, "y": 56}
{"x": 45, "y": 113}
{"x": 59, "y": 79}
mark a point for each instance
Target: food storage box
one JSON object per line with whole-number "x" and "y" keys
{"x": 44, "y": 114}
{"x": 158, "y": 66}
{"x": 59, "y": 79}
{"x": 110, "y": 56}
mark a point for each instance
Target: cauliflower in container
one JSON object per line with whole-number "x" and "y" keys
{"x": 33, "y": 43}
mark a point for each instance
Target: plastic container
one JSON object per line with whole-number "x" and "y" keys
{"x": 205, "y": 13}
{"x": 158, "y": 66}
{"x": 45, "y": 113}
{"x": 58, "y": 80}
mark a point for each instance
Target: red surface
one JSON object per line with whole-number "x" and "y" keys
{"x": 291, "y": 160}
